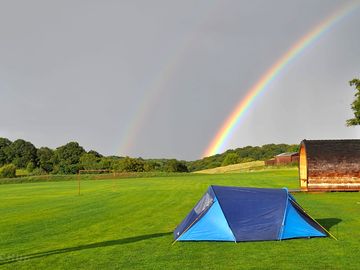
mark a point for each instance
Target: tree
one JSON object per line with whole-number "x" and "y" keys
{"x": 107, "y": 163}
{"x": 67, "y": 157}
{"x": 128, "y": 164}
{"x": 174, "y": 165}
{"x": 355, "y": 106}
{"x": 21, "y": 152}
{"x": 151, "y": 165}
{"x": 231, "y": 158}
{"x": 30, "y": 167}
{"x": 46, "y": 159}
{"x": 4, "y": 146}
{"x": 96, "y": 154}
{"x": 89, "y": 161}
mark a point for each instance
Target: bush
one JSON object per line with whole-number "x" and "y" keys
{"x": 8, "y": 171}
{"x": 174, "y": 165}
{"x": 38, "y": 171}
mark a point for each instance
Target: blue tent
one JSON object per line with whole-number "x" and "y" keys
{"x": 247, "y": 214}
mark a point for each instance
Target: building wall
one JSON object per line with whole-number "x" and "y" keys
{"x": 339, "y": 183}
{"x": 295, "y": 159}
{"x": 323, "y": 175}
{"x": 282, "y": 160}
{"x": 329, "y": 165}
{"x": 270, "y": 162}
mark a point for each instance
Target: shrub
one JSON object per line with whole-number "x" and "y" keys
{"x": 174, "y": 165}
{"x": 8, "y": 171}
{"x": 38, "y": 171}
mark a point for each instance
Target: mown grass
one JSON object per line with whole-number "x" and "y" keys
{"x": 128, "y": 224}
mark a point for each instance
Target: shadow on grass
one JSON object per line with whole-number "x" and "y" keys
{"x": 327, "y": 223}
{"x": 17, "y": 258}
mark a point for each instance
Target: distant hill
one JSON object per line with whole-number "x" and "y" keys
{"x": 241, "y": 155}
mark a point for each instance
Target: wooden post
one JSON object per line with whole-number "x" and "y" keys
{"x": 79, "y": 183}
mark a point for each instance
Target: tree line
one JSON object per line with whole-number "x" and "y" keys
{"x": 241, "y": 155}
{"x": 71, "y": 157}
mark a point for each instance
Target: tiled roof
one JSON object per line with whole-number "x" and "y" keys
{"x": 288, "y": 154}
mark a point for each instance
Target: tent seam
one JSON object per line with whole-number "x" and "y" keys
{"x": 284, "y": 217}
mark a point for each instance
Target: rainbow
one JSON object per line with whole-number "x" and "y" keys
{"x": 223, "y": 135}
{"x": 159, "y": 85}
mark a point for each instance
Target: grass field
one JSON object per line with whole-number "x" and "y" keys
{"x": 128, "y": 224}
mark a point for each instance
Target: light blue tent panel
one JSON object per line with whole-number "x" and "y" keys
{"x": 211, "y": 227}
{"x": 295, "y": 226}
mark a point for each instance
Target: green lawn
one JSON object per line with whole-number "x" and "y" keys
{"x": 128, "y": 224}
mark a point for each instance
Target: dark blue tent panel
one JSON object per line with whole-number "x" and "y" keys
{"x": 246, "y": 214}
{"x": 253, "y": 213}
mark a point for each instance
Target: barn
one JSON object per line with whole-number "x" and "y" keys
{"x": 329, "y": 165}
{"x": 270, "y": 162}
{"x": 287, "y": 158}
{"x": 283, "y": 159}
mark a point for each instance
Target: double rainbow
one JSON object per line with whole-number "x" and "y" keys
{"x": 224, "y": 134}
